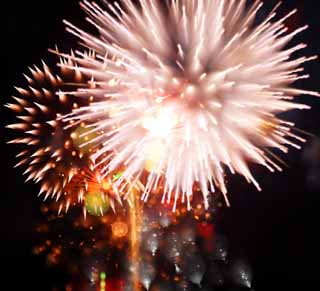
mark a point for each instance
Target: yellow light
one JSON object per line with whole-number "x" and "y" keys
{"x": 154, "y": 155}
{"x": 112, "y": 82}
{"x": 106, "y": 186}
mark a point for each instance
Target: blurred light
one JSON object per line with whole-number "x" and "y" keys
{"x": 96, "y": 203}
{"x": 119, "y": 229}
{"x": 154, "y": 155}
{"x": 103, "y": 275}
{"x": 161, "y": 123}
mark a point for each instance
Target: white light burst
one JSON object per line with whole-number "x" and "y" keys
{"x": 189, "y": 88}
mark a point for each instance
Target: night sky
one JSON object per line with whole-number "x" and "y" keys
{"x": 275, "y": 230}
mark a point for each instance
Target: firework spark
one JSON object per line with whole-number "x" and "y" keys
{"x": 189, "y": 89}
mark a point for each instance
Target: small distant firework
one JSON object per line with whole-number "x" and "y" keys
{"x": 187, "y": 89}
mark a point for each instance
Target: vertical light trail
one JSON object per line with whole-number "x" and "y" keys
{"x": 135, "y": 214}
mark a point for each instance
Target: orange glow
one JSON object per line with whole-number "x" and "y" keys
{"x": 269, "y": 126}
{"x": 106, "y": 185}
{"x": 119, "y": 229}
{"x": 93, "y": 187}
{"x": 68, "y": 144}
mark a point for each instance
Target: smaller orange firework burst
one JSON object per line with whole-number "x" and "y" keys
{"x": 97, "y": 192}
{"x": 56, "y": 154}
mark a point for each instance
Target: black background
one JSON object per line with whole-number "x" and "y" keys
{"x": 275, "y": 230}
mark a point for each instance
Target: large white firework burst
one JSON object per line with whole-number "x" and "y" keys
{"x": 194, "y": 86}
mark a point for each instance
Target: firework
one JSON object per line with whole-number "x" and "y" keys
{"x": 189, "y": 90}
{"x": 51, "y": 149}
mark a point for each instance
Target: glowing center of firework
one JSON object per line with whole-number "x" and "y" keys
{"x": 159, "y": 126}
{"x": 190, "y": 93}
{"x": 161, "y": 123}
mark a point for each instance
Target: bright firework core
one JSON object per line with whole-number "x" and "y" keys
{"x": 187, "y": 89}
{"x": 160, "y": 124}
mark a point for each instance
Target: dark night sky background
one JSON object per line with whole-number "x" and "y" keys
{"x": 275, "y": 230}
